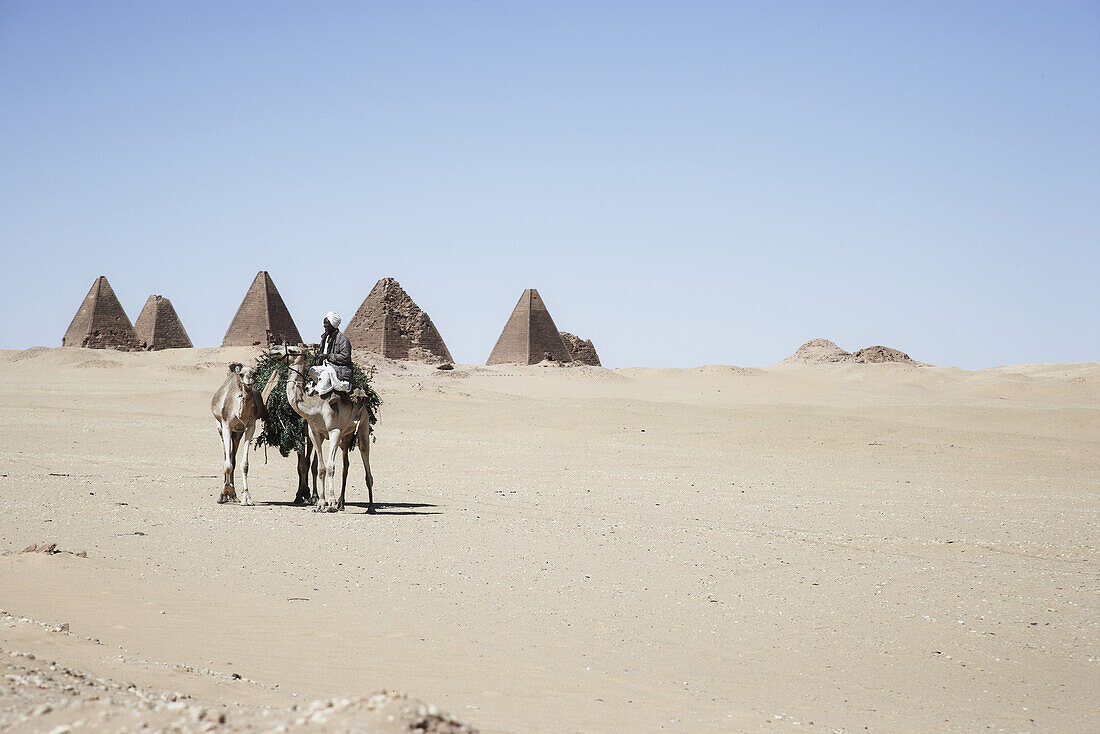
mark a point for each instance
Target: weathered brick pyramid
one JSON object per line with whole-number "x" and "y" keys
{"x": 583, "y": 351}
{"x": 101, "y": 322}
{"x": 390, "y": 323}
{"x": 263, "y": 318}
{"x": 530, "y": 336}
{"x": 158, "y": 326}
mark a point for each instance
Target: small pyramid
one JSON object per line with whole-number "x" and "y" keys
{"x": 583, "y": 351}
{"x": 530, "y": 336}
{"x": 262, "y": 319}
{"x": 390, "y": 323}
{"x": 817, "y": 351}
{"x": 100, "y": 322}
{"x": 159, "y": 327}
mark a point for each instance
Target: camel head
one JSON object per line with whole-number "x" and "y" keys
{"x": 291, "y": 354}
{"x": 246, "y": 375}
{"x": 286, "y": 350}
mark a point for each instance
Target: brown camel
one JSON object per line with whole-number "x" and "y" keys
{"x": 336, "y": 419}
{"x": 236, "y": 407}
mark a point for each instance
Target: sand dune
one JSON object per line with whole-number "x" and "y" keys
{"x": 829, "y": 547}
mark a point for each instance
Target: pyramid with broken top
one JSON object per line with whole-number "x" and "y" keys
{"x": 101, "y": 322}
{"x": 583, "y": 351}
{"x": 390, "y": 323}
{"x": 158, "y": 326}
{"x": 530, "y": 335}
{"x": 263, "y": 318}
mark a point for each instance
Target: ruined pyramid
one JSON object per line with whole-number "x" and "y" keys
{"x": 158, "y": 326}
{"x": 583, "y": 351}
{"x": 100, "y": 322}
{"x": 530, "y": 336}
{"x": 390, "y": 323}
{"x": 263, "y": 318}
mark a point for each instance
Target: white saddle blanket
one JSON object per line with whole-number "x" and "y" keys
{"x": 325, "y": 379}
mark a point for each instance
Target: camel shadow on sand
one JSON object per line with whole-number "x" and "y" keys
{"x": 380, "y": 508}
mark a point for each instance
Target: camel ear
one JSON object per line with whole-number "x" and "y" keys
{"x": 235, "y": 367}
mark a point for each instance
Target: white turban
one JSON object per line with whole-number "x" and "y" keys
{"x": 333, "y": 318}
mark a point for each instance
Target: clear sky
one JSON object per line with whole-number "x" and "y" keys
{"x": 685, "y": 183}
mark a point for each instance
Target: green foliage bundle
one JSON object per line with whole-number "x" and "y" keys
{"x": 284, "y": 429}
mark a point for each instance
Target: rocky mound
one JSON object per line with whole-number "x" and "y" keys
{"x": 816, "y": 351}
{"x": 879, "y": 354}
{"x": 583, "y": 351}
{"x": 821, "y": 351}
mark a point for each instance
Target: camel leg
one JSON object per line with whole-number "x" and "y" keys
{"x": 245, "y": 499}
{"x": 344, "y": 475}
{"x": 227, "y": 448}
{"x": 302, "y": 497}
{"x": 313, "y": 469}
{"x": 364, "y": 450}
{"x": 233, "y": 460}
{"x": 315, "y": 438}
{"x": 330, "y": 484}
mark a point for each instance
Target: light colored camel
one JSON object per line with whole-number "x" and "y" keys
{"x": 236, "y": 407}
{"x": 307, "y": 460}
{"x": 336, "y": 419}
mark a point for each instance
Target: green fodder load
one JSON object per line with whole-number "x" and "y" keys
{"x": 284, "y": 429}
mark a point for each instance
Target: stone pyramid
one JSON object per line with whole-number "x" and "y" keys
{"x": 390, "y": 323}
{"x": 101, "y": 323}
{"x": 530, "y": 336}
{"x": 263, "y": 318}
{"x": 159, "y": 327}
{"x": 583, "y": 351}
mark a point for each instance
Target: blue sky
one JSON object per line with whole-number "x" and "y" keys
{"x": 685, "y": 183}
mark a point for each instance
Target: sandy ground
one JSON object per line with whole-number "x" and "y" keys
{"x": 824, "y": 548}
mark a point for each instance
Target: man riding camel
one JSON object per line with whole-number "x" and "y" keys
{"x": 331, "y": 369}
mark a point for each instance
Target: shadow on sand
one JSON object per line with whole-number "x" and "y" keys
{"x": 395, "y": 508}
{"x": 380, "y": 508}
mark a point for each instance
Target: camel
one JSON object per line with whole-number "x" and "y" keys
{"x": 236, "y": 407}
{"x": 336, "y": 419}
{"x": 307, "y": 460}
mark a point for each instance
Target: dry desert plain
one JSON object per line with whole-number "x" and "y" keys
{"x": 841, "y": 547}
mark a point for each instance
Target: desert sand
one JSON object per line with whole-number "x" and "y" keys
{"x": 822, "y": 547}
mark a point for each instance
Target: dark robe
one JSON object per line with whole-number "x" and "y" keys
{"x": 339, "y": 350}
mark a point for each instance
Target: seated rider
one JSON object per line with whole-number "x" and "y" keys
{"x": 331, "y": 369}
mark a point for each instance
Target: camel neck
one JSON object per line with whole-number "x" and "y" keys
{"x": 295, "y": 389}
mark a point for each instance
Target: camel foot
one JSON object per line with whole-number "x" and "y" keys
{"x": 246, "y": 501}
{"x": 226, "y": 498}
